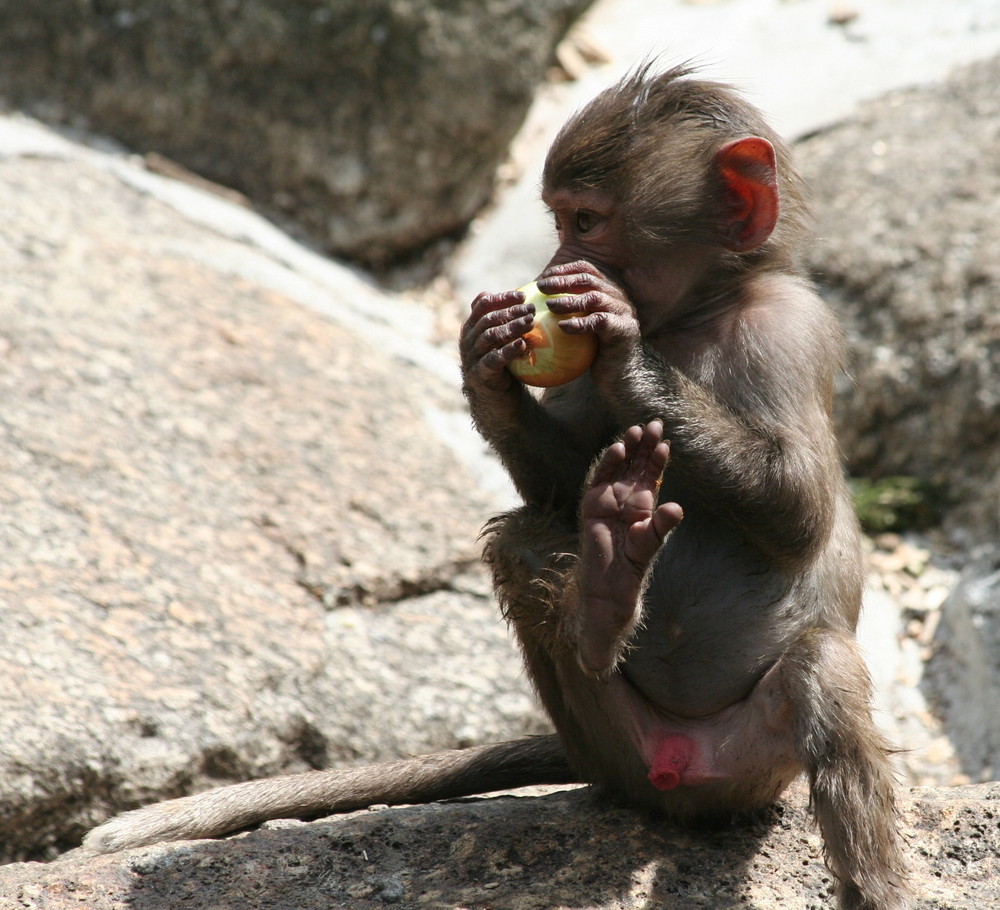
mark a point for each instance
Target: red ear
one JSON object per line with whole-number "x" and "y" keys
{"x": 750, "y": 178}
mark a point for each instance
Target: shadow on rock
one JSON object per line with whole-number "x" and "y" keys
{"x": 566, "y": 849}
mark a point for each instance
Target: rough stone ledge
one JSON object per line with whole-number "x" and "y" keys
{"x": 544, "y": 848}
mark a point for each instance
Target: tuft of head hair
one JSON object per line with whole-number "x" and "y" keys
{"x": 649, "y": 142}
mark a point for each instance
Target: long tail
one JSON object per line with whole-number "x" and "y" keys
{"x": 443, "y": 775}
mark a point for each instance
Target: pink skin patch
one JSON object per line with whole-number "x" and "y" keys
{"x": 673, "y": 755}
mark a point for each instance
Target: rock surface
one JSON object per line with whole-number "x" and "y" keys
{"x": 563, "y": 849}
{"x": 378, "y": 126}
{"x": 906, "y": 594}
{"x": 962, "y": 678}
{"x": 234, "y": 540}
{"x": 907, "y": 194}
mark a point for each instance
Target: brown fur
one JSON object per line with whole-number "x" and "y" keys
{"x": 739, "y": 365}
{"x": 682, "y": 263}
{"x": 638, "y": 140}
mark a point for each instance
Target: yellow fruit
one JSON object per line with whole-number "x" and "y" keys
{"x": 553, "y": 357}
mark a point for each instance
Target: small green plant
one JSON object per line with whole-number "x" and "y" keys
{"x": 897, "y": 503}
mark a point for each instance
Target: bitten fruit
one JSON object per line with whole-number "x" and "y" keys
{"x": 553, "y": 357}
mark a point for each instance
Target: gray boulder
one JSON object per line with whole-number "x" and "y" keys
{"x": 377, "y": 125}
{"x": 237, "y": 537}
{"x": 906, "y": 192}
{"x": 962, "y": 677}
